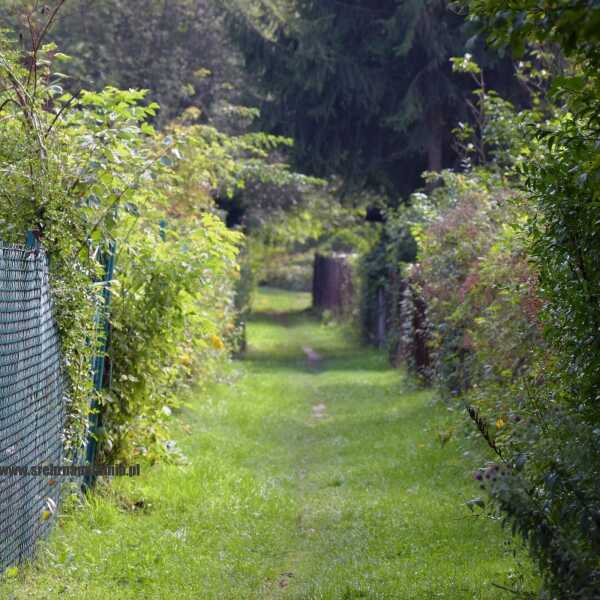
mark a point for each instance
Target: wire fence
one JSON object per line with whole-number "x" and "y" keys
{"x": 32, "y": 402}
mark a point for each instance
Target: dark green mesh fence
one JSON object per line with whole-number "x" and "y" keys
{"x": 31, "y": 401}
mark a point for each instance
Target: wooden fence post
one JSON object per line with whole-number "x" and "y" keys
{"x": 332, "y": 283}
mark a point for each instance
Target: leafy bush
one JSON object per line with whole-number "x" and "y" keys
{"x": 473, "y": 275}
{"x": 67, "y": 165}
{"x": 172, "y": 309}
{"x": 554, "y": 502}
{"x": 507, "y": 267}
{"x": 290, "y": 272}
{"x": 88, "y": 172}
{"x": 381, "y": 273}
{"x": 317, "y": 221}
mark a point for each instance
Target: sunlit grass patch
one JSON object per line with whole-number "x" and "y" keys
{"x": 365, "y": 502}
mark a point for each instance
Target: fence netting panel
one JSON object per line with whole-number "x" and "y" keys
{"x": 32, "y": 401}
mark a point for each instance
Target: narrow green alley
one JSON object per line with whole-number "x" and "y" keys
{"x": 314, "y": 472}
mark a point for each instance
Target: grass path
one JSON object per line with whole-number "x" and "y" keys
{"x": 324, "y": 481}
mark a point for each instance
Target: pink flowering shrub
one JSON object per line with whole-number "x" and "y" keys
{"x": 474, "y": 276}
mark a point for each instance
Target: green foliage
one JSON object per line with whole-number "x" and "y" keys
{"x": 377, "y": 490}
{"x": 511, "y": 287}
{"x": 173, "y": 307}
{"x": 366, "y": 90}
{"x": 316, "y": 220}
{"x": 555, "y": 503}
{"x": 485, "y": 338}
{"x": 570, "y": 24}
{"x": 474, "y": 275}
{"x": 293, "y": 272}
{"x": 178, "y": 50}
{"x": 89, "y": 170}
{"x": 64, "y": 177}
{"x": 381, "y": 270}
{"x": 496, "y": 134}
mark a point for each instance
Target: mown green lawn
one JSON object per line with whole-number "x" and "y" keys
{"x": 356, "y": 498}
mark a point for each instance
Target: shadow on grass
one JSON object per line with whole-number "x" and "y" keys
{"x": 338, "y": 344}
{"x": 294, "y": 360}
{"x": 286, "y": 319}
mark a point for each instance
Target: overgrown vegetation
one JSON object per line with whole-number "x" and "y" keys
{"x": 507, "y": 269}
{"x": 484, "y": 281}
{"x": 88, "y": 173}
{"x": 273, "y": 501}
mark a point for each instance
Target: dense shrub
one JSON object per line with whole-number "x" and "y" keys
{"x": 63, "y": 176}
{"x": 474, "y": 275}
{"x": 507, "y": 266}
{"x": 382, "y": 285}
{"x": 554, "y": 503}
{"x": 89, "y": 172}
{"x": 292, "y": 271}
{"x": 171, "y": 314}
{"x": 485, "y": 333}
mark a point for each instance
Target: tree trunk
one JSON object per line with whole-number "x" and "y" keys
{"x": 434, "y": 152}
{"x": 421, "y": 349}
{"x": 332, "y": 284}
{"x": 381, "y": 318}
{"x": 435, "y": 144}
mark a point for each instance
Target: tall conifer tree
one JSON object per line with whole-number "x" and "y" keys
{"x": 365, "y": 88}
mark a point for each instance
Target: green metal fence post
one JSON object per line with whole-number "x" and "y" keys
{"x": 99, "y": 365}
